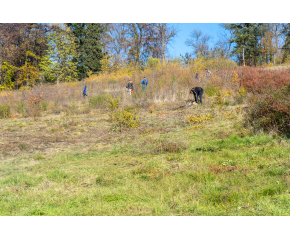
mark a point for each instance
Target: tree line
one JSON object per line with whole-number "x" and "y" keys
{"x": 34, "y": 52}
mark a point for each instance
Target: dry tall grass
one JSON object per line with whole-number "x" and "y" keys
{"x": 168, "y": 83}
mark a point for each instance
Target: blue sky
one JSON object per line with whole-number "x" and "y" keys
{"x": 178, "y": 46}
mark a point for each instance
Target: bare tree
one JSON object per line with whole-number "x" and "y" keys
{"x": 223, "y": 45}
{"x": 135, "y": 42}
{"x": 199, "y": 42}
{"x": 165, "y": 34}
{"x": 116, "y": 41}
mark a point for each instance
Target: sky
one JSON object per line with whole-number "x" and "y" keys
{"x": 178, "y": 45}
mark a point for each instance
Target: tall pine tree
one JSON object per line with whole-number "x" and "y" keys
{"x": 246, "y": 37}
{"x": 286, "y": 47}
{"x": 89, "y": 47}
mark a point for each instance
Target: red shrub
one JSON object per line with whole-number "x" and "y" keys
{"x": 259, "y": 80}
{"x": 271, "y": 111}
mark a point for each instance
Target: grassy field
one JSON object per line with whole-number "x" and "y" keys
{"x": 180, "y": 161}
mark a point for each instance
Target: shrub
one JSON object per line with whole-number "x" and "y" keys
{"x": 5, "y": 111}
{"x": 212, "y": 90}
{"x": 259, "y": 80}
{"x": 271, "y": 111}
{"x": 113, "y": 103}
{"x": 125, "y": 118}
{"x": 153, "y": 62}
{"x": 43, "y": 106}
{"x": 34, "y": 103}
{"x": 221, "y": 97}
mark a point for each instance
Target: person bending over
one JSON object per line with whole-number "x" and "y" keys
{"x": 197, "y": 92}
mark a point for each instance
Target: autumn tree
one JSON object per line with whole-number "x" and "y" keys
{"x": 22, "y": 47}
{"x": 270, "y": 44}
{"x": 139, "y": 36}
{"x": 58, "y": 65}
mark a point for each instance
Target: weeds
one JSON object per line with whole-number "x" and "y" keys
{"x": 99, "y": 100}
{"x": 193, "y": 119}
{"x": 39, "y": 157}
{"x": 22, "y": 109}
{"x": 162, "y": 146}
{"x": 22, "y": 146}
{"x": 5, "y": 111}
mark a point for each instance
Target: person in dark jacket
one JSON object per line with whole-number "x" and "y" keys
{"x": 129, "y": 87}
{"x": 197, "y": 92}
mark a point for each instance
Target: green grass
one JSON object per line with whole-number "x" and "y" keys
{"x": 177, "y": 172}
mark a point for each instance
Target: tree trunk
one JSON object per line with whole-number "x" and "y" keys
{"x": 244, "y": 57}
{"x": 1, "y": 80}
{"x": 162, "y": 47}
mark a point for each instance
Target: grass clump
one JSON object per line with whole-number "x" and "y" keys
{"x": 22, "y": 109}
{"x": 193, "y": 119}
{"x": 99, "y": 100}
{"x": 5, "y": 111}
{"x": 162, "y": 146}
{"x": 22, "y": 146}
{"x": 39, "y": 157}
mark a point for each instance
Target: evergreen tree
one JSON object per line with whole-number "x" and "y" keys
{"x": 246, "y": 37}
{"x": 92, "y": 47}
{"x": 89, "y": 47}
{"x": 286, "y": 47}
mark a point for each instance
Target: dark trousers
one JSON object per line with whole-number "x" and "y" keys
{"x": 199, "y": 94}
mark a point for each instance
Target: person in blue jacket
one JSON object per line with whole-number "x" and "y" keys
{"x": 85, "y": 91}
{"x": 144, "y": 83}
